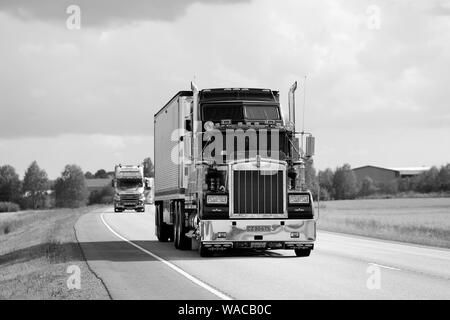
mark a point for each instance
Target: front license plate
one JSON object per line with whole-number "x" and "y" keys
{"x": 129, "y": 204}
{"x": 258, "y": 245}
{"x": 259, "y": 228}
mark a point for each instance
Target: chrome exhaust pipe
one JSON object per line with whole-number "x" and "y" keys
{"x": 195, "y": 122}
{"x": 291, "y": 102}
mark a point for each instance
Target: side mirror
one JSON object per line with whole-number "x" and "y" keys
{"x": 310, "y": 145}
{"x": 112, "y": 183}
{"x": 147, "y": 185}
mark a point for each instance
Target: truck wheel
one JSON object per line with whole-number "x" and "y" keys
{"x": 162, "y": 229}
{"x": 302, "y": 252}
{"x": 204, "y": 252}
{"x": 180, "y": 240}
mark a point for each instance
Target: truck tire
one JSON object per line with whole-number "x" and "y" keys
{"x": 180, "y": 240}
{"x": 162, "y": 229}
{"x": 302, "y": 252}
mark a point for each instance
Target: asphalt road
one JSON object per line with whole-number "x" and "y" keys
{"x": 122, "y": 250}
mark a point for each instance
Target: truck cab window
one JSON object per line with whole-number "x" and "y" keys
{"x": 222, "y": 111}
{"x": 239, "y": 112}
{"x": 261, "y": 113}
{"x": 129, "y": 183}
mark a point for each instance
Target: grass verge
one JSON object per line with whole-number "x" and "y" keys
{"x": 37, "y": 249}
{"x": 423, "y": 221}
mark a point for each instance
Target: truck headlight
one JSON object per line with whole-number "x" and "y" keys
{"x": 117, "y": 197}
{"x": 216, "y": 199}
{"x": 298, "y": 198}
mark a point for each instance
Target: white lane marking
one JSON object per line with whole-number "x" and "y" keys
{"x": 170, "y": 265}
{"x": 382, "y": 266}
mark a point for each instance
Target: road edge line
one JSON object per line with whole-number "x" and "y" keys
{"x": 383, "y": 266}
{"x": 169, "y": 264}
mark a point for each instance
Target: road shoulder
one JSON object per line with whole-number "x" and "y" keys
{"x": 40, "y": 257}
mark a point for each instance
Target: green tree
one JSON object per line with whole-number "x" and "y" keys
{"x": 367, "y": 187}
{"x": 326, "y": 181}
{"x": 444, "y": 178}
{"x": 70, "y": 188}
{"x": 389, "y": 187}
{"x": 101, "y": 174}
{"x": 311, "y": 178}
{"x": 9, "y": 184}
{"x": 89, "y": 175}
{"x": 149, "y": 169}
{"x": 428, "y": 181}
{"x": 35, "y": 184}
{"x": 102, "y": 196}
{"x": 344, "y": 183}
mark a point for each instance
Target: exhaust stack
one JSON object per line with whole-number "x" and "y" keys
{"x": 195, "y": 122}
{"x": 291, "y": 101}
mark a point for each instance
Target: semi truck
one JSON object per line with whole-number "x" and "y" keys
{"x": 129, "y": 186}
{"x": 230, "y": 172}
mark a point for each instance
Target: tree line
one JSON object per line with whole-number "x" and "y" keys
{"x": 342, "y": 183}
{"x": 69, "y": 190}
{"x": 36, "y": 191}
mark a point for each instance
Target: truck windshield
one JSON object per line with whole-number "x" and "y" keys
{"x": 129, "y": 183}
{"x": 233, "y": 112}
{"x": 220, "y": 112}
{"x": 261, "y": 113}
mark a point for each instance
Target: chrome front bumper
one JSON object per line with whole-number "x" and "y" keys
{"x": 273, "y": 233}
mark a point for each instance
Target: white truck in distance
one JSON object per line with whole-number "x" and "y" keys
{"x": 129, "y": 186}
{"x": 230, "y": 174}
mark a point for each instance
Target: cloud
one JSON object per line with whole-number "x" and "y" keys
{"x": 365, "y": 89}
{"x": 440, "y": 8}
{"x": 103, "y": 12}
{"x": 112, "y": 80}
{"x": 91, "y": 152}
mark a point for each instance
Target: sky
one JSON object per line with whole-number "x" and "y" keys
{"x": 377, "y": 86}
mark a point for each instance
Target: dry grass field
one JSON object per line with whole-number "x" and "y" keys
{"x": 421, "y": 221}
{"x": 36, "y": 249}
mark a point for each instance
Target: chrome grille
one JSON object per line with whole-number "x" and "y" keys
{"x": 258, "y": 192}
{"x": 129, "y": 197}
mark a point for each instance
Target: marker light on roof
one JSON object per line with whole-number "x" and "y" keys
{"x": 209, "y": 125}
